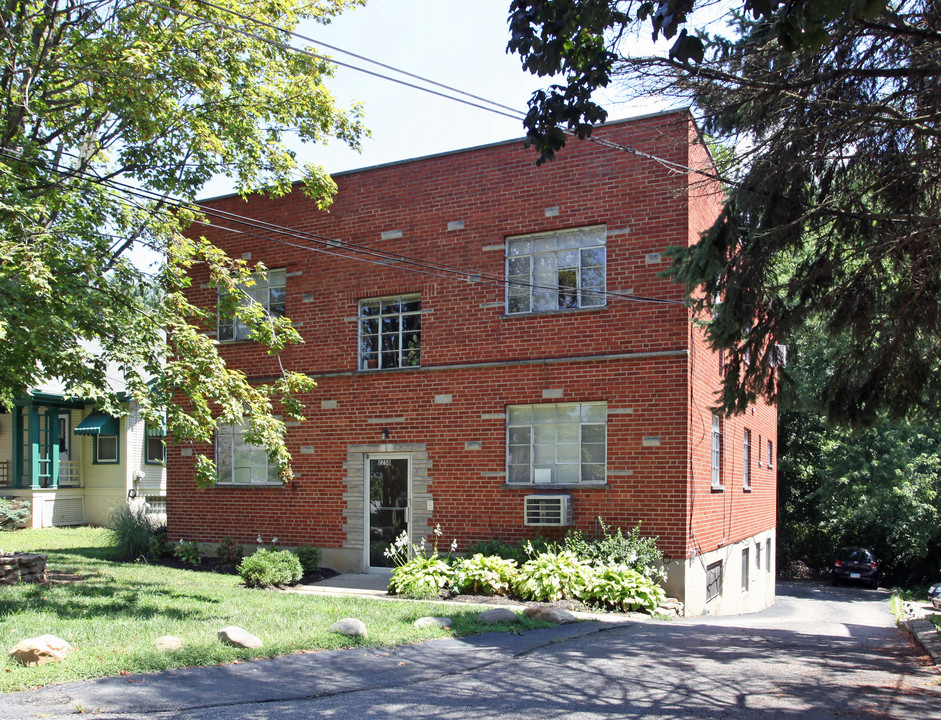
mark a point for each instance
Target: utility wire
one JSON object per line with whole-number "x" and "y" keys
{"x": 497, "y": 108}
{"x": 332, "y": 246}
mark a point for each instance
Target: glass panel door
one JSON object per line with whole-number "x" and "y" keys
{"x": 388, "y": 479}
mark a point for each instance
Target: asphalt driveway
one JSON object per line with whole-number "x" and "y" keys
{"x": 820, "y": 652}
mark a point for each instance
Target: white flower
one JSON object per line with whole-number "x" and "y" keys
{"x": 438, "y": 530}
{"x": 454, "y": 545}
{"x": 274, "y": 541}
{"x": 258, "y": 540}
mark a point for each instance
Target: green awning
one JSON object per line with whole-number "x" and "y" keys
{"x": 157, "y": 430}
{"x": 98, "y": 423}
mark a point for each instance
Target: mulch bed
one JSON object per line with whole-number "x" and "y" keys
{"x": 211, "y": 564}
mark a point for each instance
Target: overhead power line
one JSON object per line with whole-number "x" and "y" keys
{"x": 262, "y": 230}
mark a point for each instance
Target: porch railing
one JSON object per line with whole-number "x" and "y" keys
{"x": 4, "y": 474}
{"x": 70, "y": 473}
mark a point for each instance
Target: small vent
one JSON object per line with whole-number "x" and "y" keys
{"x": 66, "y": 511}
{"x": 548, "y": 510}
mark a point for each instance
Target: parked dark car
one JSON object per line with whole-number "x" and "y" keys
{"x": 856, "y": 565}
{"x": 934, "y": 595}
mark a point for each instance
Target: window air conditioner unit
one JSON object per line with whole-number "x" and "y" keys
{"x": 548, "y": 510}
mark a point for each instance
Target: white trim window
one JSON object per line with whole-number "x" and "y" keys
{"x": 558, "y": 270}
{"x": 746, "y": 565}
{"x": 716, "y": 452}
{"x": 238, "y": 462}
{"x": 390, "y": 332}
{"x": 746, "y": 459}
{"x": 560, "y": 444}
{"x": 770, "y": 449}
{"x": 269, "y": 292}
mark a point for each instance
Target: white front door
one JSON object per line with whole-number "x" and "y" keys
{"x": 388, "y": 497}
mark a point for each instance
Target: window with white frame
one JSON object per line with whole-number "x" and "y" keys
{"x": 770, "y": 460}
{"x": 269, "y": 291}
{"x": 390, "y": 332}
{"x": 716, "y": 451}
{"x": 562, "y": 443}
{"x": 106, "y": 449}
{"x": 238, "y": 462}
{"x": 156, "y": 451}
{"x": 746, "y": 459}
{"x": 557, "y": 270}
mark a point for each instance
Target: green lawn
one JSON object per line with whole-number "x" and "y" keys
{"x": 112, "y": 612}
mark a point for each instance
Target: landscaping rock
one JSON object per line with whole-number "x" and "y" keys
{"x": 441, "y": 622}
{"x": 497, "y": 615}
{"x": 168, "y": 642}
{"x": 349, "y": 626}
{"x": 40, "y": 650}
{"x": 549, "y": 614}
{"x": 233, "y": 635}
{"x": 671, "y": 607}
{"x": 22, "y": 567}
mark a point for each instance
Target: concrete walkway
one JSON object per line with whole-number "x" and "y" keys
{"x": 361, "y": 584}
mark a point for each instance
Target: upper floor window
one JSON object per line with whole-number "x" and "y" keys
{"x": 269, "y": 292}
{"x": 770, "y": 448}
{"x": 556, "y": 270}
{"x": 746, "y": 460}
{"x": 390, "y": 332}
{"x": 716, "y": 451}
{"x": 562, "y": 443}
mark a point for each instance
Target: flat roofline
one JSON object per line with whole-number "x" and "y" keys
{"x": 473, "y": 148}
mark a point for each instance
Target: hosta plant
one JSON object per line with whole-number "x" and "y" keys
{"x": 484, "y": 575}
{"x": 621, "y": 587}
{"x": 421, "y": 572}
{"x": 553, "y": 576}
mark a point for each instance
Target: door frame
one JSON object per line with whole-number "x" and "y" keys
{"x": 367, "y": 460}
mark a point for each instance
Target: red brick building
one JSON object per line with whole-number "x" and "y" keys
{"x": 496, "y": 353}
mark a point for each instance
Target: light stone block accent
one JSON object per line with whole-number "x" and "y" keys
{"x": 552, "y": 394}
{"x": 552, "y": 211}
{"x": 652, "y": 258}
{"x": 456, "y": 225}
{"x": 354, "y": 493}
{"x": 620, "y": 411}
{"x": 473, "y": 445}
{"x": 443, "y": 399}
{"x": 390, "y": 235}
{"x": 307, "y": 450}
{"x": 493, "y": 416}
{"x": 328, "y": 404}
{"x": 651, "y": 441}
{"x": 493, "y": 248}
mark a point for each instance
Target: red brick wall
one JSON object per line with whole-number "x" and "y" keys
{"x": 496, "y": 191}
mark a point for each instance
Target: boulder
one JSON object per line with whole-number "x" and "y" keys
{"x": 238, "y": 637}
{"x": 549, "y": 614}
{"x": 349, "y": 626}
{"x": 497, "y": 615}
{"x": 40, "y": 650}
{"x": 168, "y": 642}
{"x": 22, "y": 567}
{"x": 439, "y": 622}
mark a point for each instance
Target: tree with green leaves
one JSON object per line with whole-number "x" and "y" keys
{"x": 113, "y": 115}
{"x": 833, "y": 213}
{"x": 877, "y": 487}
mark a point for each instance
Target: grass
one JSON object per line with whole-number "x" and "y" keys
{"x": 111, "y": 613}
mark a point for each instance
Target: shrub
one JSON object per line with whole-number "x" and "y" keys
{"x": 484, "y": 574}
{"x": 133, "y": 530}
{"x": 624, "y": 588}
{"x": 160, "y": 546}
{"x": 270, "y": 568}
{"x": 309, "y": 557}
{"x": 553, "y": 576}
{"x": 229, "y": 552}
{"x": 616, "y": 548}
{"x": 187, "y": 552}
{"x": 13, "y": 513}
